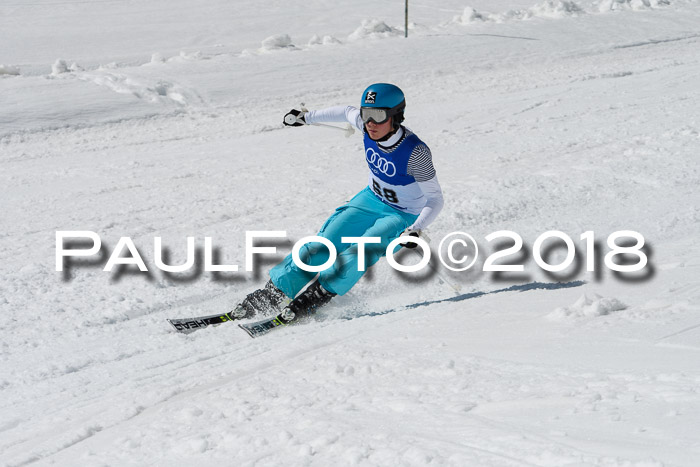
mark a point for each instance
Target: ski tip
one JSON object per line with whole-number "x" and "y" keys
{"x": 176, "y": 326}
{"x": 248, "y": 331}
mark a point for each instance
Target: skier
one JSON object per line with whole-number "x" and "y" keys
{"x": 402, "y": 198}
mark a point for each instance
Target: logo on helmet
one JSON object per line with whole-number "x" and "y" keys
{"x": 371, "y": 97}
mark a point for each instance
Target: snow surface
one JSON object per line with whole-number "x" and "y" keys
{"x": 163, "y": 118}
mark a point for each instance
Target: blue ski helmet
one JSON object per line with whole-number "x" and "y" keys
{"x": 381, "y": 101}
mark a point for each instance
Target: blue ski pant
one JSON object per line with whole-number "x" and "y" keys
{"x": 363, "y": 216}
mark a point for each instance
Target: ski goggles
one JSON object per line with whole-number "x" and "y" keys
{"x": 374, "y": 114}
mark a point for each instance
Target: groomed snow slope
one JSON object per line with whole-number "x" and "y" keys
{"x": 147, "y": 119}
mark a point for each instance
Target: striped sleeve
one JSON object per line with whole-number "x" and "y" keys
{"x": 420, "y": 164}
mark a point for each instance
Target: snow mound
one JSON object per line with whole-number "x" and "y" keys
{"x": 60, "y": 66}
{"x": 153, "y": 91}
{"x": 326, "y": 40}
{"x": 470, "y": 15}
{"x": 610, "y": 5}
{"x": 190, "y": 56}
{"x": 157, "y": 58}
{"x": 555, "y": 9}
{"x": 182, "y": 57}
{"x": 373, "y": 29}
{"x": 587, "y": 307}
{"x": 546, "y": 9}
{"x": 277, "y": 42}
{"x": 9, "y": 70}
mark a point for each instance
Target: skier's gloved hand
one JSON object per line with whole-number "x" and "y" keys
{"x": 410, "y": 233}
{"x": 295, "y": 117}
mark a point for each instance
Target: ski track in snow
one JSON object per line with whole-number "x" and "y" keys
{"x": 563, "y": 115}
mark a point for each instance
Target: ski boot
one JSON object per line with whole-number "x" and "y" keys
{"x": 314, "y": 297}
{"x": 267, "y": 300}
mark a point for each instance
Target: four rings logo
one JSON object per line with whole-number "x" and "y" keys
{"x": 376, "y": 161}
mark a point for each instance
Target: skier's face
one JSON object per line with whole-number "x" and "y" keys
{"x": 378, "y": 131}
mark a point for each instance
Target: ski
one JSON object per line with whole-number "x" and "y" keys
{"x": 188, "y": 325}
{"x": 262, "y": 327}
{"x": 255, "y": 329}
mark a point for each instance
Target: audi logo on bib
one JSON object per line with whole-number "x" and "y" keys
{"x": 381, "y": 164}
